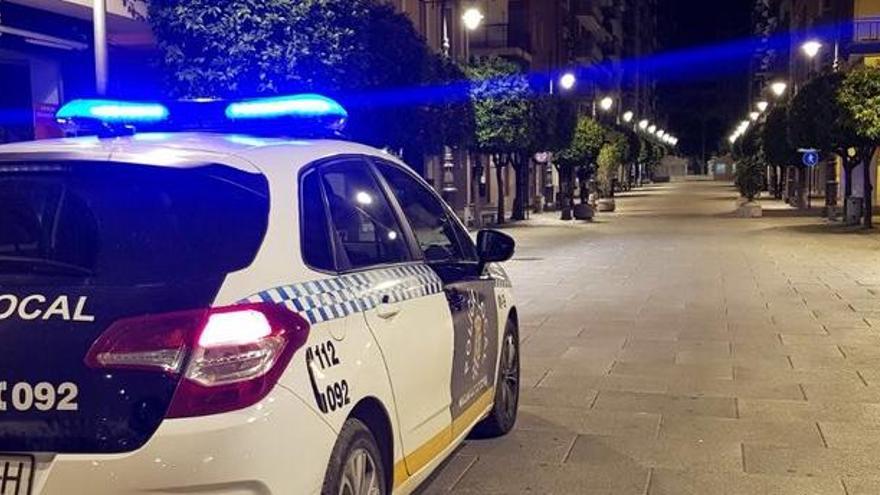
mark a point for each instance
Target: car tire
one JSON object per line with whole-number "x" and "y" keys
{"x": 355, "y": 466}
{"x": 502, "y": 417}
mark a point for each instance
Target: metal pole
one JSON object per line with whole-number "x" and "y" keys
{"x": 99, "y": 22}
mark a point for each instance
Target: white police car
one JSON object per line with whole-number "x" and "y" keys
{"x": 205, "y": 312}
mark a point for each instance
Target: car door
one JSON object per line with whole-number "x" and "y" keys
{"x": 402, "y": 302}
{"x": 470, "y": 295}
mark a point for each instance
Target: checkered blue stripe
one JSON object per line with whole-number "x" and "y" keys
{"x": 337, "y": 297}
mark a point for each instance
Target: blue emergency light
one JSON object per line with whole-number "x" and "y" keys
{"x": 304, "y": 105}
{"x": 301, "y": 114}
{"x": 112, "y": 111}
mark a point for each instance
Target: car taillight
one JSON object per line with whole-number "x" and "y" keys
{"x": 228, "y": 358}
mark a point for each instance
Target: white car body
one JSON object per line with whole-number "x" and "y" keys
{"x": 397, "y": 359}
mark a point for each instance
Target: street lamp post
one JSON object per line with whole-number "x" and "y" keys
{"x": 99, "y": 26}
{"x": 471, "y": 18}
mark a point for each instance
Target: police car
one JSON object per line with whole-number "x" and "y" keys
{"x": 216, "y": 312}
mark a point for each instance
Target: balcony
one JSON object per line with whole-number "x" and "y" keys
{"x": 866, "y": 29}
{"x": 505, "y": 40}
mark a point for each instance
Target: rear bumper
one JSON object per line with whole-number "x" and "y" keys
{"x": 278, "y": 446}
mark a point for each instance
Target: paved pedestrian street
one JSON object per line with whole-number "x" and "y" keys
{"x": 671, "y": 349}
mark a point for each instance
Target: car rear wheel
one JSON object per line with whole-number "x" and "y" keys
{"x": 355, "y": 466}
{"x": 503, "y": 415}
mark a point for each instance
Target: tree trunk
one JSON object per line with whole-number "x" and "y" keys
{"x": 868, "y": 188}
{"x": 475, "y": 188}
{"x": 566, "y": 191}
{"x": 520, "y": 202}
{"x": 847, "y": 180}
{"x": 500, "y": 163}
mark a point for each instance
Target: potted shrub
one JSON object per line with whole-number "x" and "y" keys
{"x": 749, "y": 181}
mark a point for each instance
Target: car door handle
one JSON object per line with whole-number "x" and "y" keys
{"x": 387, "y": 309}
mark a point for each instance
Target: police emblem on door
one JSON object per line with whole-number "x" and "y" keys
{"x": 478, "y": 338}
{"x": 476, "y": 343}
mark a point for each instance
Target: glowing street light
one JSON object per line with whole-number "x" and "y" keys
{"x": 762, "y": 106}
{"x": 606, "y": 103}
{"x": 472, "y": 18}
{"x": 778, "y": 88}
{"x": 652, "y": 129}
{"x": 661, "y": 133}
{"x": 643, "y": 124}
{"x": 567, "y": 81}
{"x": 811, "y": 48}
{"x": 754, "y": 116}
{"x": 628, "y": 116}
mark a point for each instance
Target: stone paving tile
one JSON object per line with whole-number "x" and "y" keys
{"x": 537, "y": 446}
{"x": 709, "y": 387}
{"x": 668, "y": 482}
{"x": 720, "y": 430}
{"x": 842, "y": 393}
{"x": 490, "y": 475}
{"x": 444, "y": 479}
{"x": 669, "y": 453}
{"x": 557, "y": 397}
{"x": 861, "y": 486}
{"x": 844, "y": 435}
{"x": 567, "y": 379}
{"x": 672, "y": 370}
{"x": 666, "y": 404}
{"x": 810, "y": 462}
{"x": 617, "y": 423}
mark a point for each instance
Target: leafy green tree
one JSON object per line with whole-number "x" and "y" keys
{"x": 502, "y": 114}
{"x": 819, "y": 120}
{"x": 612, "y": 157}
{"x": 778, "y": 150}
{"x": 550, "y": 129}
{"x": 860, "y": 96}
{"x": 633, "y": 142}
{"x": 360, "y": 52}
{"x": 589, "y": 136}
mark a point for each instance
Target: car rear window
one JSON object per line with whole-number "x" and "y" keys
{"x": 111, "y": 223}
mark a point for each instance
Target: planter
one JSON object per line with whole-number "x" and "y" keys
{"x": 749, "y": 209}
{"x": 583, "y": 212}
{"x": 607, "y": 204}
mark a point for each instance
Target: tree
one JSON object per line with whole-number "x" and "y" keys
{"x": 860, "y": 96}
{"x": 589, "y": 136}
{"x": 750, "y": 177}
{"x": 550, "y": 129}
{"x": 360, "y": 52}
{"x": 633, "y": 142}
{"x": 502, "y": 113}
{"x": 819, "y": 120}
{"x": 645, "y": 157}
{"x": 611, "y": 157}
{"x": 778, "y": 150}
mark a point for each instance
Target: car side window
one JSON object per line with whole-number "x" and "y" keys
{"x": 434, "y": 230}
{"x": 317, "y": 248}
{"x": 364, "y": 223}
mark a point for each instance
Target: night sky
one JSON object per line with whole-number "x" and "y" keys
{"x": 704, "y": 94}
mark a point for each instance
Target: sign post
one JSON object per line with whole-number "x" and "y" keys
{"x": 810, "y": 159}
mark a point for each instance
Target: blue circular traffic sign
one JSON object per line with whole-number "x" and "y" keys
{"x": 811, "y": 158}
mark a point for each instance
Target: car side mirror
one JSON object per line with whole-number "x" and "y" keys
{"x": 494, "y": 246}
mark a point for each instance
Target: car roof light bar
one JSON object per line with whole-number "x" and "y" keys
{"x": 295, "y": 106}
{"x": 112, "y": 111}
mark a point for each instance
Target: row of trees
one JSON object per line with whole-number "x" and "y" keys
{"x": 837, "y": 113}
{"x": 400, "y": 94}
